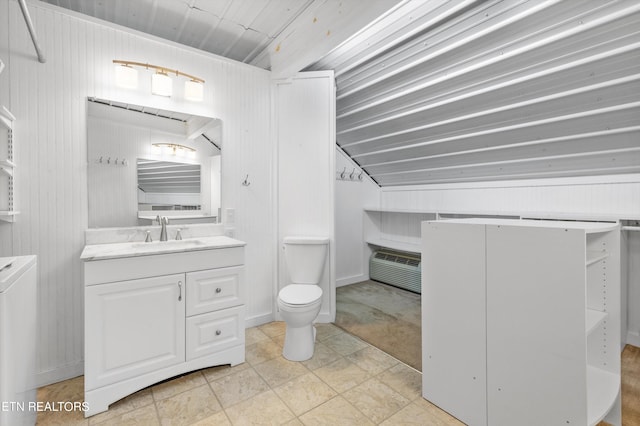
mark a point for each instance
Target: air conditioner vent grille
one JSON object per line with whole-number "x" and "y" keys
{"x": 397, "y": 269}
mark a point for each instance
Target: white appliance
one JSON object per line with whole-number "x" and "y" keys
{"x": 18, "y": 340}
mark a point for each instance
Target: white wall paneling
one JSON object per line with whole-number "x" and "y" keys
{"x": 49, "y": 102}
{"x": 352, "y": 195}
{"x": 305, "y": 127}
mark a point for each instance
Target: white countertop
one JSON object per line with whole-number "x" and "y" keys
{"x": 18, "y": 265}
{"x": 140, "y": 248}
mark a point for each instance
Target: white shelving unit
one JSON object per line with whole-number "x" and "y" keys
{"x": 7, "y": 166}
{"x": 522, "y": 321}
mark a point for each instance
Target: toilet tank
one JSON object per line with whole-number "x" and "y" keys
{"x": 305, "y": 258}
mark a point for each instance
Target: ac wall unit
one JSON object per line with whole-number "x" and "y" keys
{"x": 396, "y": 268}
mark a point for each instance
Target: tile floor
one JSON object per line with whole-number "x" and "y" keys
{"x": 347, "y": 382}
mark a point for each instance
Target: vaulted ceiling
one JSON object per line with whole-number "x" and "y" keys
{"x": 438, "y": 91}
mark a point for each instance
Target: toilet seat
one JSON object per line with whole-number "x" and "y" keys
{"x": 300, "y": 294}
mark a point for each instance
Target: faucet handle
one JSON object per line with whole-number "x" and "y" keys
{"x": 148, "y": 239}
{"x": 165, "y": 219}
{"x": 159, "y": 220}
{"x": 178, "y": 234}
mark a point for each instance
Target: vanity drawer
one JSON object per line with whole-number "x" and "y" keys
{"x": 209, "y": 333}
{"x": 214, "y": 289}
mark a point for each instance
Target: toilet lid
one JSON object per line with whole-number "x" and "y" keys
{"x": 300, "y": 294}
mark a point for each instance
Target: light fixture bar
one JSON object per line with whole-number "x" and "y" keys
{"x": 159, "y": 68}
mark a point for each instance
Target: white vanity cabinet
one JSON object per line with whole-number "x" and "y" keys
{"x": 152, "y": 317}
{"x": 521, "y": 321}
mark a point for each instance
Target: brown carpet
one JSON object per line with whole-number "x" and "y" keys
{"x": 383, "y": 316}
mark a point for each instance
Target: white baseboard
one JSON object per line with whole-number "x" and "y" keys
{"x": 351, "y": 280}
{"x": 633, "y": 338}
{"x": 259, "y": 320}
{"x": 65, "y": 372}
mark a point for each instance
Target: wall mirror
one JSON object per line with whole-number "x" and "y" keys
{"x": 144, "y": 162}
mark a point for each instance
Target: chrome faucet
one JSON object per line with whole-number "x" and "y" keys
{"x": 163, "y": 232}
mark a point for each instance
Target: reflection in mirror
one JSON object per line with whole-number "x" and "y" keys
{"x": 144, "y": 162}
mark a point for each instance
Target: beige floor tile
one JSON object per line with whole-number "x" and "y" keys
{"x": 61, "y": 418}
{"x": 372, "y": 360}
{"x": 326, "y": 331}
{"x": 404, "y": 380}
{"x": 413, "y": 414}
{"x": 253, "y": 335}
{"x": 238, "y": 387}
{"x": 263, "y": 409}
{"x": 376, "y": 400}
{"x": 435, "y": 411}
{"x": 262, "y": 351}
{"x": 188, "y": 407}
{"x": 71, "y": 390}
{"x": 304, "y": 393}
{"x": 322, "y": 355}
{"x": 137, "y": 400}
{"x": 178, "y": 385}
{"x": 342, "y": 375}
{"x": 279, "y": 340}
{"x": 279, "y": 370}
{"x": 144, "y": 416}
{"x": 272, "y": 329}
{"x": 294, "y": 422}
{"x": 215, "y": 373}
{"x": 345, "y": 344}
{"x": 335, "y": 412}
{"x": 218, "y": 419}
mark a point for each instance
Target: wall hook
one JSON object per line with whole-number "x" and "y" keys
{"x": 246, "y": 182}
{"x": 109, "y": 160}
{"x": 353, "y": 173}
{"x": 360, "y": 175}
{"x": 343, "y": 173}
{"x": 100, "y": 160}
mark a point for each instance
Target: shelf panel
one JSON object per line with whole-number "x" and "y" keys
{"x": 396, "y": 245}
{"x": 603, "y": 388}
{"x": 594, "y": 318}
{"x": 594, "y": 256}
{"x": 8, "y": 215}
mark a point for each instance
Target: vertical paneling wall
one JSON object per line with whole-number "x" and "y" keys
{"x": 49, "y": 101}
{"x": 305, "y": 117}
{"x": 352, "y": 195}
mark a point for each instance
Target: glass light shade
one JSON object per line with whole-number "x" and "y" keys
{"x": 193, "y": 90}
{"x": 161, "y": 84}
{"x": 126, "y": 77}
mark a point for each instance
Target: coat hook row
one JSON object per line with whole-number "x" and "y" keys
{"x": 112, "y": 162}
{"x": 353, "y": 176}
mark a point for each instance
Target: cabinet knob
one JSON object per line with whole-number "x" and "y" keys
{"x": 218, "y": 332}
{"x": 218, "y": 290}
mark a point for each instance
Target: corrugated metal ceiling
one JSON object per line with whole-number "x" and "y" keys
{"x": 449, "y": 91}
{"x": 493, "y": 90}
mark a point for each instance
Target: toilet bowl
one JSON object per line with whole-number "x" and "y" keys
{"x": 299, "y": 302}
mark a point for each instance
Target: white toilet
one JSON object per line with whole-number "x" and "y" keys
{"x": 299, "y": 302}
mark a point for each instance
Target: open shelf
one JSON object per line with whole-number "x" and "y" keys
{"x": 8, "y": 215}
{"x": 396, "y": 245}
{"x": 594, "y": 256}
{"x": 603, "y": 388}
{"x": 594, "y": 318}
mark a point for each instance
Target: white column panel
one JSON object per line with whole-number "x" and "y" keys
{"x": 305, "y": 116}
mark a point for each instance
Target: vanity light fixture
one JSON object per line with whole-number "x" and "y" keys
{"x": 161, "y": 80}
{"x": 175, "y": 149}
{"x": 126, "y": 76}
{"x": 161, "y": 84}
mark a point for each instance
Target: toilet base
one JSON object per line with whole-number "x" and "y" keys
{"x": 299, "y": 342}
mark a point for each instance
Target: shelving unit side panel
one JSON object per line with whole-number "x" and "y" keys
{"x": 536, "y": 342}
{"x": 453, "y": 319}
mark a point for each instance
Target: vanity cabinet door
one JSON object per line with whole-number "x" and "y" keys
{"x": 214, "y": 289}
{"x": 133, "y": 327}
